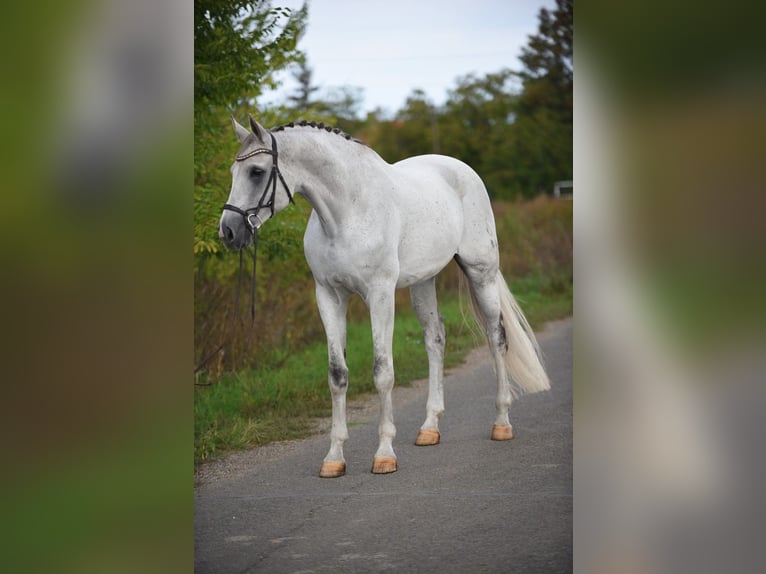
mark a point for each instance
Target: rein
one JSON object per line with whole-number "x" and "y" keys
{"x": 247, "y": 214}
{"x": 233, "y": 312}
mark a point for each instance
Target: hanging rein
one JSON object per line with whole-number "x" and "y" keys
{"x": 249, "y": 214}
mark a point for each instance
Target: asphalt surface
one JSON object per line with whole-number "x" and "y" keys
{"x": 467, "y": 505}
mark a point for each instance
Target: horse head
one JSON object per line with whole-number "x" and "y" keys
{"x": 253, "y": 199}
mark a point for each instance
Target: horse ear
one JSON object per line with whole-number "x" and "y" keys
{"x": 258, "y": 130}
{"x": 240, "y": 130}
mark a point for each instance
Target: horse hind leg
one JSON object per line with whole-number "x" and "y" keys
{"x": 511, "y": 342}
{"x": 485, "y": 297}
{"x": 486, "y": 306}
{"x": 424, "y": 303}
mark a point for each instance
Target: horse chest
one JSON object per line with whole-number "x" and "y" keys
{"x": 353, "y": 263}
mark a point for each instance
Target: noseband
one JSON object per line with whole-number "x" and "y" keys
{"x": 263, "y": 202}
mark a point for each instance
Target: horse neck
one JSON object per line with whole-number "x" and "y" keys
{"x": 330, "y": 172}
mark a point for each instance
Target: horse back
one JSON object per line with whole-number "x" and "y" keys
{"x": 437, "y": 170}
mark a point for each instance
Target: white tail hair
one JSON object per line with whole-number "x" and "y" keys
{"x": 523, "y": 359}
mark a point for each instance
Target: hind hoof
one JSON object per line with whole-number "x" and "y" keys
{"x": 502, "y": 432}
{"x": 427, "y": 437}
{"x": 383, "y": 465}
{"x": 332, "y": 469}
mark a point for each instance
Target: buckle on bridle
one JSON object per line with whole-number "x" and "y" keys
{"x": 253, "y": 227}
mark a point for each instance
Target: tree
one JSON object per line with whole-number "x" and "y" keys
{"x": 476, "y": 126}
{"x": 344, "y": 103}
{"x": 548, "y": 54}
{"x": 238, "y": 46}
{"x": 542, "y": 153}
{"x": 301, "y": 100}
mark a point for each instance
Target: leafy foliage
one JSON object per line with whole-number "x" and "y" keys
{"x": 519, "y": 140}
{"x": 542, "y": 152}
{"x": 238, "y": 45}
{"x": 479, "y": 128}
{"x": 303, "y": 97}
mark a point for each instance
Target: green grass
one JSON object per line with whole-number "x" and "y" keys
{"x": 544, "y": 298}
{"x": 259, "y": 406}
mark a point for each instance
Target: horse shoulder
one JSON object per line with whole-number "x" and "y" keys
{"x": 351, "y": 258}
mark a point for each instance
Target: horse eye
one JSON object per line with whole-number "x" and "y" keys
{"x": 256, "y": 172}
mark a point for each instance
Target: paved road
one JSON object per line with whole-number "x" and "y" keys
{"x": 467, "y": 505}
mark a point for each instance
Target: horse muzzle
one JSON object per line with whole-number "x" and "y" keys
{"x": 233, "y": 231}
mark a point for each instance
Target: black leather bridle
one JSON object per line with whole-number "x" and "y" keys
{"x": 263, "y": 202}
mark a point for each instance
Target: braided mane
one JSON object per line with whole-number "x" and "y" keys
{"x": 317, "y": 125}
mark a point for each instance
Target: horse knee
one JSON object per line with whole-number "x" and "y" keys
{"x": 338, "y": 376}
{"x": 383, "y": 372}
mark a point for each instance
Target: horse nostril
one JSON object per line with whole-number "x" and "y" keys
{"x": 227, "y": 233}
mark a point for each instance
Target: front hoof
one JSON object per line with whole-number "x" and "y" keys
{"x": 383, "y": 464}
{"x": 502, "y": 432}
{"x": 427, "y": 437}
{"x": 332, "y": 469}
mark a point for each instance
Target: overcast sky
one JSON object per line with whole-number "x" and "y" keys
{"x": 391, "y": 47}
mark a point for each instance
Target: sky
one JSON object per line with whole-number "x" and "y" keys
{"x": 391, "y": 47}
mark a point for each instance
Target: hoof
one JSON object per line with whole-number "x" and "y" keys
{"x": 427, "y": 437}
{"x": 383, "y": 464}
{"x": 502, "y": 432}
{"x": 332, "y": 469}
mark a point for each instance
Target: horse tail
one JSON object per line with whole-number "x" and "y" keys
{"x": 522, "y": 357}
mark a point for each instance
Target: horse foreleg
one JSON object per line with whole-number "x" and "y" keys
{"x": 381, "y": 304}
{"x": 332, "y": 306}
{"x": 424, "y": 303}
